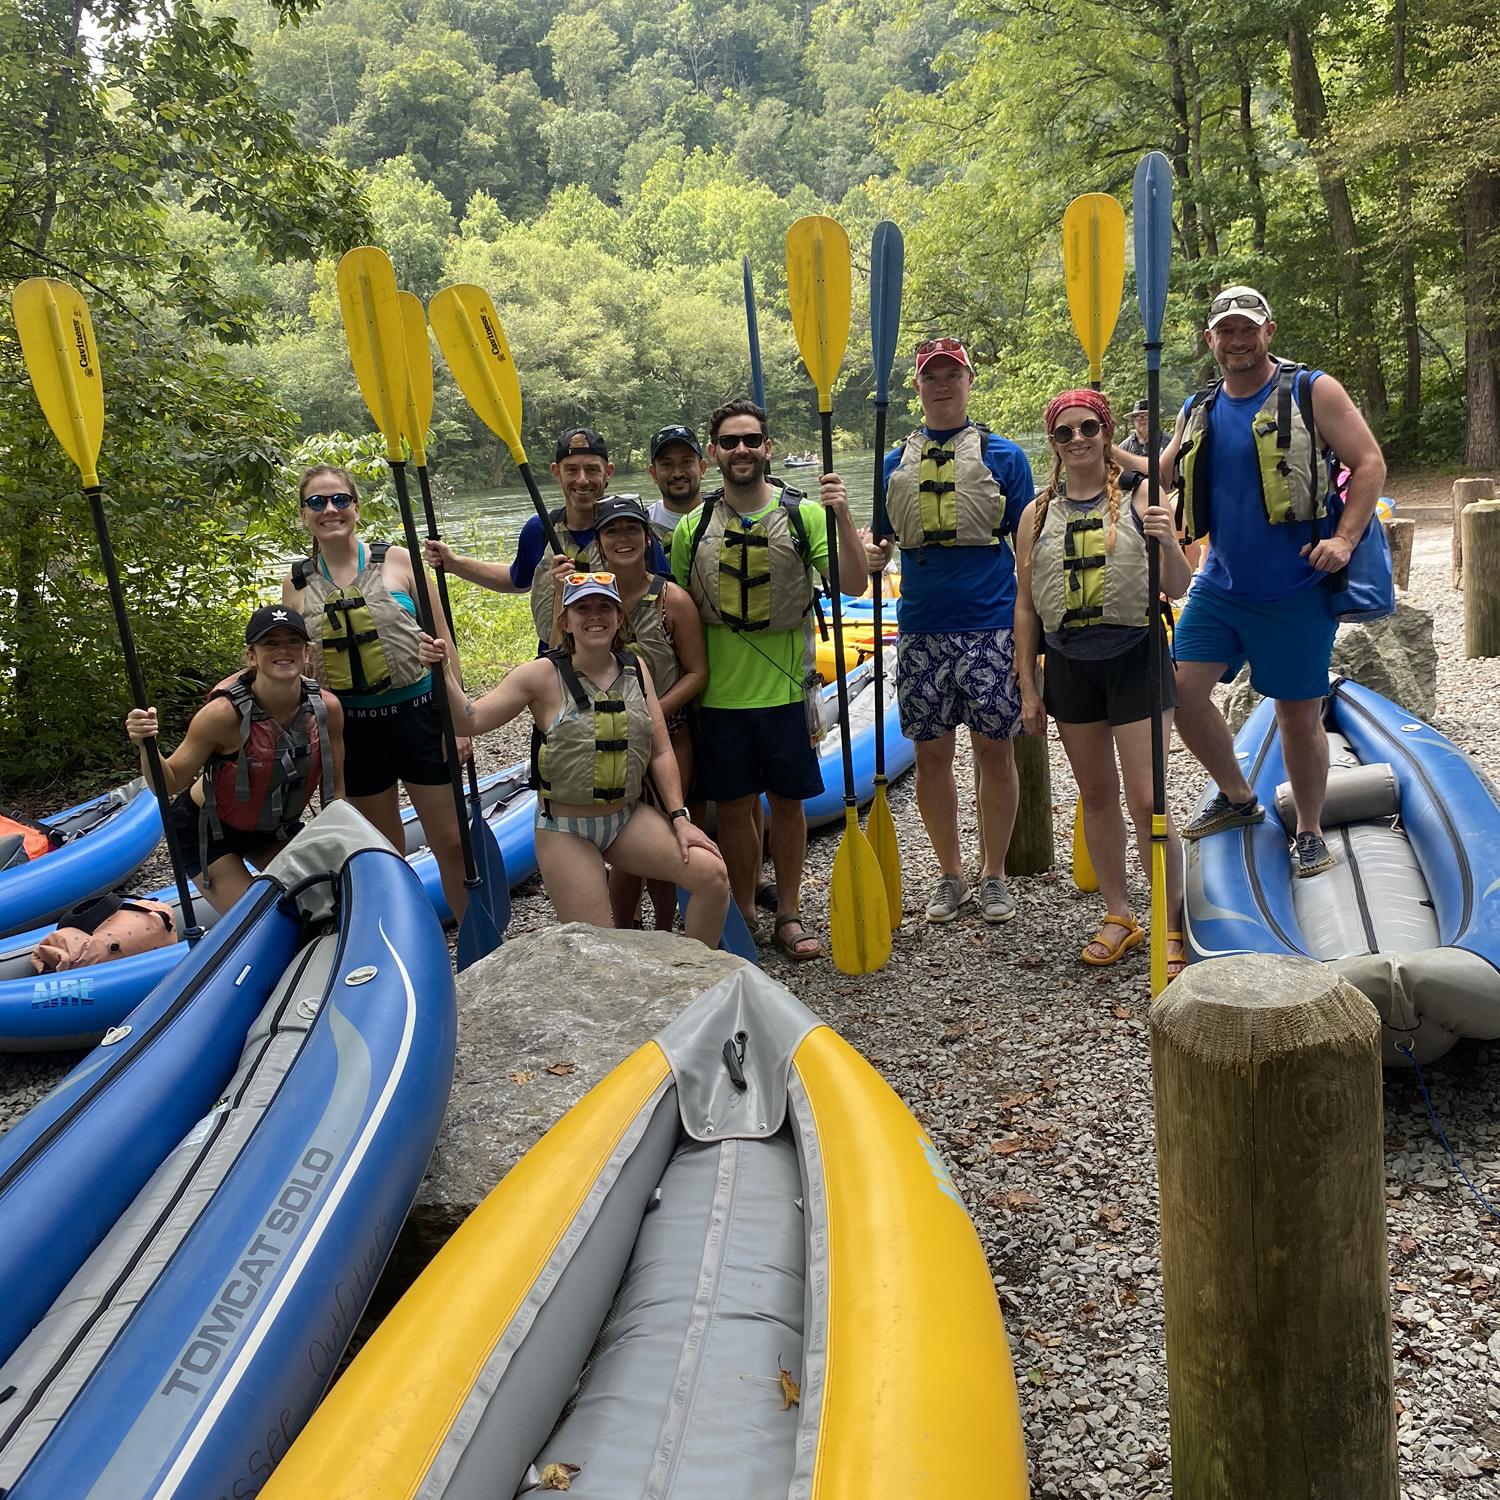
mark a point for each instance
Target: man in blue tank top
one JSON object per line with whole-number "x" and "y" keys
{"x": 1255, "y": 477}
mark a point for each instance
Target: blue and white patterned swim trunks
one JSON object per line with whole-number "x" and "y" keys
{"x": 968, "y": 677}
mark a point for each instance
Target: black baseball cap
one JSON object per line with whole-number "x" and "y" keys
{"x": 271, "y": 617}
{"x": 676, "y": 433}
{"x": 576, "y": 440}
{"x": 620, "y": 507}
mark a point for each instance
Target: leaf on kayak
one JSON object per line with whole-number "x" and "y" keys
{"x": 559, "y": 1476}
{"x": 791, "y": 1391}
{"x": 562, "y": 1069}
{"x": 522, "y": 1077}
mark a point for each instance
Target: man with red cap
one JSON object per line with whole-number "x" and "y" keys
{"x": 955, "y": 492}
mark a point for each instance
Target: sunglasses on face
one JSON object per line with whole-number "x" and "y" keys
{"x": 729, "y": 441}
{"x": 1244, "y": 301}
{"x": 317, "y": 504}
{"x": 1088, "y": 428}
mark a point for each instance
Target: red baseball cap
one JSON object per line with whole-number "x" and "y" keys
{"x": 943, "y": 348}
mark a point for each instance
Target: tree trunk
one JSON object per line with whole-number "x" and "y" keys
{"x": 1310, "y": 115}
{"x": 1481, "y": 534}
{"x": 1482, "y": 319}
{"x": 1252, "y": 159}
{"x": 1031, "y": 849}
{"x": 1195, "y": 149}
{"x": 1406, "y": 256}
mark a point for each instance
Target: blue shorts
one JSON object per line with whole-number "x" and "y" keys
{"x": 742, "y": 752}
{"x": 966, "y": 677}
{"x": 1288, "y": 641}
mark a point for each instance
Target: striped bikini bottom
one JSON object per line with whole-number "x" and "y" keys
{"x": 601, "y": 832}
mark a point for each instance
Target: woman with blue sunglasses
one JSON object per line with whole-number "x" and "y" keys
{"x": 358, "y": 599}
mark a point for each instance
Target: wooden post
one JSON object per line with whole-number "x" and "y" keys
{"x": 1269, "y": 1156}
{"x": 1481, "y": 543}
{"x": 1401, "y": 534}
{"x": 1465, "y": 492}
{"x": 1030, "y": 849}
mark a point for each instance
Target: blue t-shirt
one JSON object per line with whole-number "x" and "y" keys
{"x": 532, "y": 544}
{"x": 1248, "y": 556}
{"x": 954, "y": 589}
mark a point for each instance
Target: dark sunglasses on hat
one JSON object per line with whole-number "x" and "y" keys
{"x": 319, "y": 503}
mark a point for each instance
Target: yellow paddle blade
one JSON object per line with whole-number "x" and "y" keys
{"x": 417, "y": 416}
{"x": 859, "y": 922}
{"x": 1083, "y": 867}
{"x": 472, "y": 339}
{"x": 377, "y": 341}
{"x": 1158, "y": 905}
{"x": 57, "y": 343}
{"x": 1094, "y": 268}
{"x": 881, "y": 831}
{"x": 817, "y": 283}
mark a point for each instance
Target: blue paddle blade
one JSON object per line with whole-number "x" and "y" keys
{"x": 757, "y": 374}
{"x": 478, "y": 934}
{"x": 490, "y": 863}
{"x": 1151, "y": 207}
{"x": 736, "y": 938}
{"x": 887, "y": 265}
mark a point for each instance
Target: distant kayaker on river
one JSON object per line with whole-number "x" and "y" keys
{"x": 265, "y": 742}
{"x": 955, "y": 492}
{"x": 359, "y": 605}
{"x": 589, "y": 775}
{"x": 1082, "y": 595}
{"x": 1249, "y": 450}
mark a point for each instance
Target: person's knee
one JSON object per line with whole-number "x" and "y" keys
{"x": 739, "y": 813}
{"x": 934, "y": 755}
{"x": 994, "y": 755}
{"x": 713, "y": 878}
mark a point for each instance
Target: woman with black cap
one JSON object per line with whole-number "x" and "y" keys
{"x": 599, "y": 735}
{"x": 252, "y": 757}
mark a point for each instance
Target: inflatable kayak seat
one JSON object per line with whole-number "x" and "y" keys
{"x": 1356, "y": 794}
{"x": 13, "y": 851}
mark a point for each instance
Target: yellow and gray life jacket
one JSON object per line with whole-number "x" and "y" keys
{"x": 756, "y": 575}
{"x": 650, "y": 639}
{"x": 1075, "y": 581}
{"x": 362, "y": 641}
{"x": 943, "y": 494}
{"x": 598, "y": 747}
{"x": 543, "y": 603}
{"x": 1286, "y": 445}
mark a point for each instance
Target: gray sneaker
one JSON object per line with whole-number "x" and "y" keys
{"x": 996, "y": 903}
{"x": 948, "y": 896}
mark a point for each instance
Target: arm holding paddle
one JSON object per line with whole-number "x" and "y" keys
{"x": 1028, "y": 630}
{"x": 1160, "y": 524}
{"x": 215, "y": 728}
{"x": 525, "y": 686}
{"x": 852, "y": 576}
{"x": 488, "y": 575}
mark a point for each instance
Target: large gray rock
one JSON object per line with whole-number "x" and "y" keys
{"x": 1395, "y": 657}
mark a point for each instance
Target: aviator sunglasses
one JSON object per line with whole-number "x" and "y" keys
{"x": 1088, "y": 428}
{"x": 729, "y": 441}
{"x": 317, "y": 504}
{"x": 1247, "y": 301}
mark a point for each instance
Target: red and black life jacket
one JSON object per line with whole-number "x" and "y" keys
{"x": 23, "y": 839}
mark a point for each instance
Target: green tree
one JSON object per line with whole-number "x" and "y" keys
{"x": 414, "y": 224}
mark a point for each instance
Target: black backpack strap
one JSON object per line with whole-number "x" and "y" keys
{"x": 300, "y": 571}
{"x": 564, "y": 664}
{"x": 377, "y": 552}
{"x": 313, "y": 695}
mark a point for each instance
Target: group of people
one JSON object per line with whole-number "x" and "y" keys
{"x": 676, "y": 643}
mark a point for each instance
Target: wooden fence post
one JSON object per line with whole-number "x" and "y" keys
{"x": 1269, "y": 1157}
{"x": 1401, "y": 534}
{"x": 1465, "y": 492}
{"x": 1030, "y": 849}
{"x": 1481, "y": 543}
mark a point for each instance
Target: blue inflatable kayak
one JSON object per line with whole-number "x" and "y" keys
{"x": 197, "y": 1214}
{"x": 104, "y": 841}
{"x": 900, "y": 753}
{"x": 1410, "y": 912}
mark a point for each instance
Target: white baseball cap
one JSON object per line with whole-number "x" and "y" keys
{"x": 1239, "y": 302}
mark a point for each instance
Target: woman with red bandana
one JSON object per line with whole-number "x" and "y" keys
{"x": 1082, "y": 596}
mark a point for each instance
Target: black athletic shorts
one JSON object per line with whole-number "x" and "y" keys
{"x": 397, "y": 742}
{"x": 187, "y": 820}
{"x": 744, "y": 751}
{"x": 1116, "y": 689}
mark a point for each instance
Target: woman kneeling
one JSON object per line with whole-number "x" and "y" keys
{"x": 598, "y": 734}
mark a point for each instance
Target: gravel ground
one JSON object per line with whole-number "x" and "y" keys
{"x": 1032, "y": 1074}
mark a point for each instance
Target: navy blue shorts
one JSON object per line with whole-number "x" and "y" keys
{"x": 745, "y": 751}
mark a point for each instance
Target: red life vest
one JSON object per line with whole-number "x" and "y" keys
{"x": 266, "y": 786}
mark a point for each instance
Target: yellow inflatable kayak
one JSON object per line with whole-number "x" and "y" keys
{"x": 859, "y": 645}
{"x": 737, "y": 1269}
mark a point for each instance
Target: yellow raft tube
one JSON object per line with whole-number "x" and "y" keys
{"x": 736, "y": 1270}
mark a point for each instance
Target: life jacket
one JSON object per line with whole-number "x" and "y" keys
{"x": 650, "y": 639}
{"x": 1286, "y": 445}
{"x": 755, "y": 576}
{"x": 104, "y": 928}
{"x": 599, "y": 746}
{"x": 542, "y": 591}
{"x": 24, "y": 839}
{"x": 268, "y": 783}
{"x": 1076, "y": 582}
{"x": 943, "y": 494}
{"x": 362, "y": 640}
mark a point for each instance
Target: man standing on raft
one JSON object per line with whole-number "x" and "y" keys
{"x": 1250, "y": 453}
{"x": 955, "y": 493}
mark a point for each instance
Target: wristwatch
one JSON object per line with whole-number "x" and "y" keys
{"x": 681, "y": 812}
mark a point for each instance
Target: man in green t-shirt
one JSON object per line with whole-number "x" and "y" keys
{"x": 750, "y": 558}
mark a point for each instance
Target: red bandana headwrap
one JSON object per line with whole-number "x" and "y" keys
{"x": 1091, "y": 400}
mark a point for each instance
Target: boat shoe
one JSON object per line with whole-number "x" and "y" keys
{"x": 1312, "y": 856}
{"x": 1221, "y": 813}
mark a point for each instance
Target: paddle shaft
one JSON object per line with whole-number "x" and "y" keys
{"x": 158, "y": 776}
{"x": 757, "y": 372}
{"x": 825, "y": 421}
{"x": 877, "y": 581}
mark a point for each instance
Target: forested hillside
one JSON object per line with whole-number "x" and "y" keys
{"x": 601, "y": 168}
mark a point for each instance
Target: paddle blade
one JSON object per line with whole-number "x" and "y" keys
{"x": 1158, "y": 906}
{"x": 62, "y": 359}
{"x": 489, "y": 862}
{"x": 881, "y": 831}
{"x": 472, "y": 339}
{"x": 859, "y": 921}
{"x": 736, "y": 938}
{"x": 1083, "y": 867}
{"x": 1094, "y": 269}
{"x": 416, "y": 417}
{"x": 1151, "y": 209}
{"x": 818, "y": 287}
{"x": 377, "y": 343}
{"x": 478, "y": 933}
{"x": 887, "y": 270}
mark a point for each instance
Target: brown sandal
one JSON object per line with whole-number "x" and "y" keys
{"x": 1175, "y": 966}
{"x": 1133, "y": 936}
{"x": 789, "y": 945}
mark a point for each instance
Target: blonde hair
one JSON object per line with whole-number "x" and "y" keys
{"x": 1056, "y": 486}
